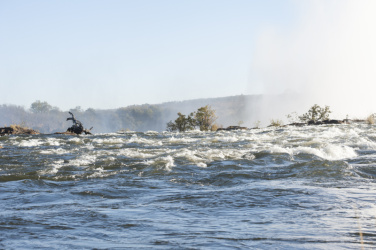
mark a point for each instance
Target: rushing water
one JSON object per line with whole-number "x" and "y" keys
{"x": 287, "y": 188}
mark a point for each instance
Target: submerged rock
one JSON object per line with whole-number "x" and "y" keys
{"x": 17, "y": 130}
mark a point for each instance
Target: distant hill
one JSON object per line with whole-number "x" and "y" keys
{"x": 230, "y": 111}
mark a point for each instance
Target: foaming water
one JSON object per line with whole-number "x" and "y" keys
{"x": 293, "y": 187}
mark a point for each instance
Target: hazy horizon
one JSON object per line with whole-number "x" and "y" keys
{"x": 111, "y": 54}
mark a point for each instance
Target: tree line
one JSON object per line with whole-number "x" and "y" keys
{"x": 173, "y": 116}
{"x": 46, "y": 118}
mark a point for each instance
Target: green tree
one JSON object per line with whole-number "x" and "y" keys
{"x": 205, "y": 118}
{"x": 40, "y": 107}
{"x": 316, "y": 113}
{"x": 182, "y": 123}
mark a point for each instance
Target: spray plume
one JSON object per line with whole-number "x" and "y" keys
{"x": 329, "y": 58}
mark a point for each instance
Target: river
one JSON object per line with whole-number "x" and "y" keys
{"x": 309, "y": 187}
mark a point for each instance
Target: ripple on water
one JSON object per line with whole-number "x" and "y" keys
{"x": 260, "y": 189}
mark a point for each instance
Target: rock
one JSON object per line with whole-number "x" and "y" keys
{"x": 76, "y": 129}
{"x": 297, "y": 124}
{"x": 232, "y": 128}
{"x": 65, "y": 133}
{"x": 312, "y": 122}
{"x": 332, "y": 122}
{"x": 17, "y": 130}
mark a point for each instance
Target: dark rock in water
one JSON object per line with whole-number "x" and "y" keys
{"x": 312, "y": 122}
{"x": 332, "y": 122}
{"x": 346, "y": 121}
{"x": 65, "y": 133}
{"x": 77, "y": 127}
{"x": 232, "y": 128}
{"x": 359, "y": 121}
{"x": 17, "y": 130}
{"x": 297, "y": 124}
{"x": 75, "y": 131}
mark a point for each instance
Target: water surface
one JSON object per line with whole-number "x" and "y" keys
{"x": 284, "y": 188}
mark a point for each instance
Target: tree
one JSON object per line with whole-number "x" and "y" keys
{"x": 40, "y": 107}
{"x": 205, "y": 118}
{"x": 316, "y": 113}
{"x": 182, "y": 123}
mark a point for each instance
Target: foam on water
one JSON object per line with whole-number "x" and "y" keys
{"x": 112, "y": 140}
{"x": 231, "y": 138}
{"x": 181, "y": 140}
{"x": 55, "y": 166}
{"x": 328, "y": 152}
{"x": 165, "y": 163}
{"x": 83, "y": 161}
{"x": 135, "y": 153}
{"x": 262, "y": 188}
{"x": 75, "y": 140}
{"x": 53, "y": 142}
{"x": 54, "y": 151}
{"x": 151, "y": 132}
{"x": 30, "y": 143}
{"x": 139, "y": 140}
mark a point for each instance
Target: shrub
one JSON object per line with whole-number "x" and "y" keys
{"x": 371, "y": 119}
{"x": 182, "y": 123}
{"x": 316, "y": 113}
{"x": 276, "y": 123}
{"x": 214, "y": 127}
{"x": 205, "y": 118}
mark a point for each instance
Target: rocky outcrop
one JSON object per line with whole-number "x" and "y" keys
{"x": 325, "y": 122}
{"x": 232, "y": 128}
{"x": 76, "y": 129}
{"x": 17, "y": 130}
{"x": 297, "y": 124}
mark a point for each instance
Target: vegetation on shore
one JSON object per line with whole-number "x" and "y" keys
{"x": 47, "y": 119}
{"x": 203, "y": 118}
{"x": 209, "y": 114}
{"x": 371, "y": 119}
{"x": 316, "y": 113}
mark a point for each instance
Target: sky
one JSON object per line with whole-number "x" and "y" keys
{"x": 111, "y": 54}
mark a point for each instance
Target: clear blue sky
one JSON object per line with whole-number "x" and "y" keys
{"x": 110, "y": 54}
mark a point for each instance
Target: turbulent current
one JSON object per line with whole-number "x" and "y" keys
{"x": 272, "y": 188}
